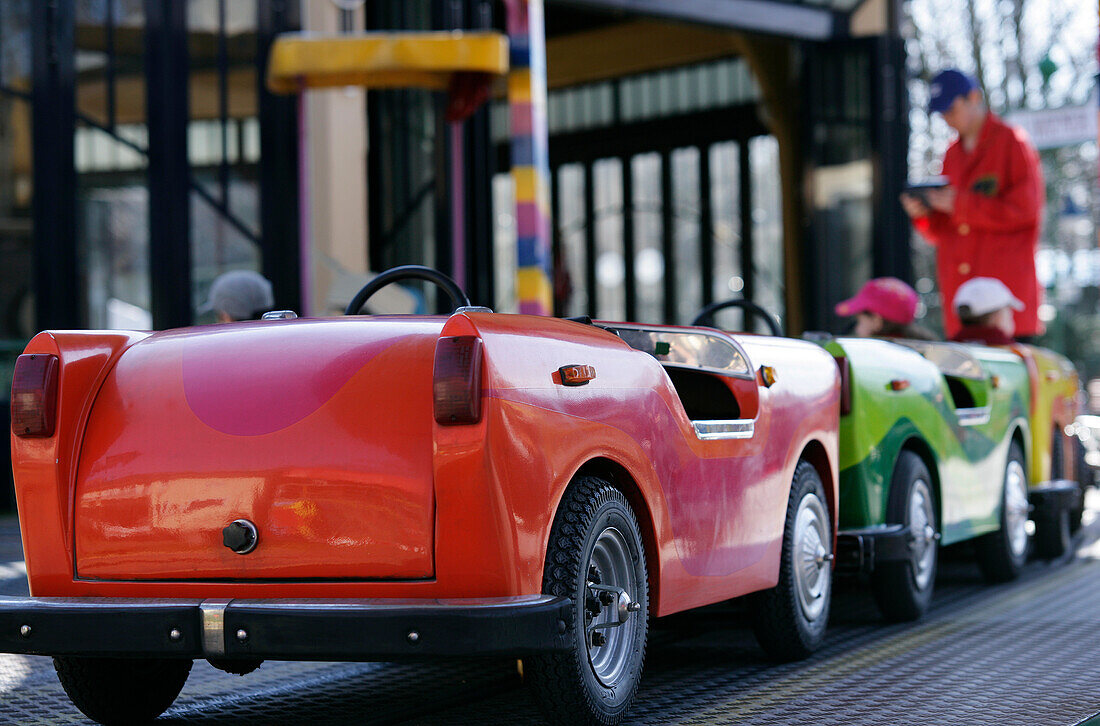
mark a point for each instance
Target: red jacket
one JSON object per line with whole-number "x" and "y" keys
{"x": 984, "y": 334}
{"x": 994, "y": 230}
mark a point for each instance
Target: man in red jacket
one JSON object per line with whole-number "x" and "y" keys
{"x": 986, "y": 222}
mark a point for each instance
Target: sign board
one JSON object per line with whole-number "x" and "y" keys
{"x": 1052, "y": 128}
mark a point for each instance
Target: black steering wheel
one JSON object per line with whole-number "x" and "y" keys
{"x": 409, "y": 272}
{"x": 706, "y": 315}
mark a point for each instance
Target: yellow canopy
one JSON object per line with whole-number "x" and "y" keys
{"x": 383, "y": 60}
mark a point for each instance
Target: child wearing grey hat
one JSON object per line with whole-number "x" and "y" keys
{"x": 239, "y": 295}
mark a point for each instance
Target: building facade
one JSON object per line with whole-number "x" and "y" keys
{"x": 697, "y": 150}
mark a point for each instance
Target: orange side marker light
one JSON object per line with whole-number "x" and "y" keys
{"x": 768, "y": 376}
{"x": 576, "y": 375}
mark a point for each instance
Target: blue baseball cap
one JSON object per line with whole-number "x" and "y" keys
{"x": 947, "y": 86}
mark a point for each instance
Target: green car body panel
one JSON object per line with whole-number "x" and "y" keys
{"x": 960, "y": 414}
{"x": 1055, "y": 401}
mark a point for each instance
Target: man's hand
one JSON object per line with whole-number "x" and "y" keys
{"x": 942, "y": 200}
{"x": 913, "y": 206}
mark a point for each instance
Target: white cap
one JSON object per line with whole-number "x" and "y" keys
{"x": 983, "y": 295}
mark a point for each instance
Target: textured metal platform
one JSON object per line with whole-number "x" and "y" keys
{"x": 1023, "y": 653}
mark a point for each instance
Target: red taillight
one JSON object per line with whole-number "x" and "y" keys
{"x": 34, "y": 396}
{"x": 457, "y": 380}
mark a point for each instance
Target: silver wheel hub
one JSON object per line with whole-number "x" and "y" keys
{"x": 812, "y": 557}
{"x": 922, "y": 533}
{"x": 1016, "y": 507}
{"x": 611, "y": 590}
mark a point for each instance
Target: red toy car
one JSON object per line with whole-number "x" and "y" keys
{"x": 371, "y": 488}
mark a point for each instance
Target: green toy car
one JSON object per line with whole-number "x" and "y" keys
{"x": 942, "y": 443}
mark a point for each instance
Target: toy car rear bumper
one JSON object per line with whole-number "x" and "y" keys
{"x": 1049, "y": 499}
{"x": 860, "y": 550}
{"x": 348, "y": 630}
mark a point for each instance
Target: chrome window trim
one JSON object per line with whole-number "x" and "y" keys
{"x": 974, "y": 416}
{"x": 741, "y": 428}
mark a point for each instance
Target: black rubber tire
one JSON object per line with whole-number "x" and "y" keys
{"x": 1084, "y": 477}
{"x": 996, "y": 559}
{"x": 1057, "y": 453}
{"x": 122, "y": 691}
{"x": 778, "y": 622}
{"x": 1054, "y": 530}
{"x": 1052, "y": 536}
{"x": 565, "y": 683}
{"x": 897, "y": 592}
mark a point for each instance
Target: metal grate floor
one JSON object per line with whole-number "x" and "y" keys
{"x": 1021, "y": 653}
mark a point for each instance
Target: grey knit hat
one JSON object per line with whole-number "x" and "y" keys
{"x": 241, "y": 294}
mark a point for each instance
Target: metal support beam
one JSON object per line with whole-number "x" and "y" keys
{"x": 279, "y": 202}
{"x": 706, "y": 225}
{"x": 556, "y": 234}
{"x": 590, "y": 286}
{"x": 479, "y": 214}
{"x": 56, "y": 274}
{"x": 450, "y": 152}
{"x": 747, "y": 227}
{"x": 167, "y": 115}
{"x": 668, "y": 239}
{"x": 758, "y": 16}
{"x": 479, "y": 166}
{"x": 889, "y": 140}
{"x": 630, "y": 283}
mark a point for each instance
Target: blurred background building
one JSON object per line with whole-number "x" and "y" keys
{"x": 699, "y": 150}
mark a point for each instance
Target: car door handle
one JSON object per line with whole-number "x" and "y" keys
{"x": 898, "y": 384}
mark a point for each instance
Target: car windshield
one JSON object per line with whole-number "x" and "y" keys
{"x": 708, "y": 351}
{"x": 951, "y": 359}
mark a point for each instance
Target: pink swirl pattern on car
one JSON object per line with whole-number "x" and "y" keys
{"x": 260, "y": 384}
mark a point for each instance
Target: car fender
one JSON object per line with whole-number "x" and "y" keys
{"x": 45, "y": 469}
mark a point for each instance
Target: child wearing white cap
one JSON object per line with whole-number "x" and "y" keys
{"x": 985, "y": 308}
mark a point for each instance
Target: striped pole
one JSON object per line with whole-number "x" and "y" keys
{"x": 530, "y": 154}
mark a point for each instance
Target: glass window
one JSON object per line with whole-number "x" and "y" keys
{"x": 685, "y": 220}
{"x": 404, "y": 145}
{"x": 17, "y": 323}
{"x": 112, "y": 229}
{"x": 504, "y": 243}
{"x": 767, "y": 225}
{"x": 725, "y": 199}
{"x": 571, "y": 219}
{"x": 649, "y": 262}
{"x": 610, "y": 263}
{"x": 223, "y": 142}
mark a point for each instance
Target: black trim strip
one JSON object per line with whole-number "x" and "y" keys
{"x": 349, "y": 630}
{"x": 785, "y": 19}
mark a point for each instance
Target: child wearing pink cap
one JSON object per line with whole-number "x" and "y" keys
{"x": 884, "y": 307}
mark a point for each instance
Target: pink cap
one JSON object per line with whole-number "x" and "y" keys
{"x": 888, "y": 296}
